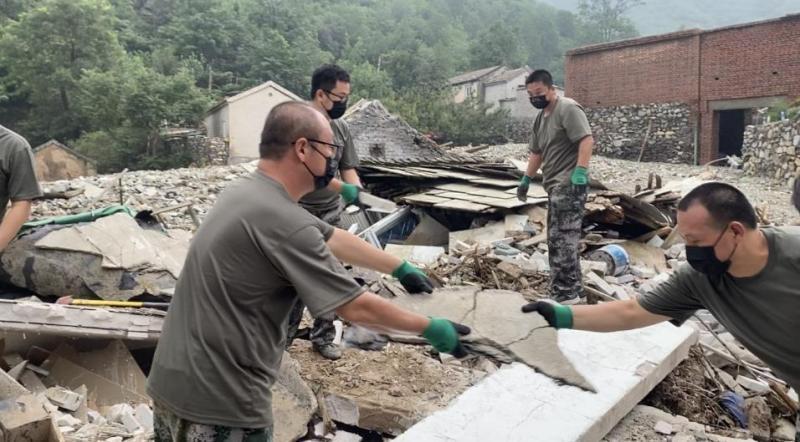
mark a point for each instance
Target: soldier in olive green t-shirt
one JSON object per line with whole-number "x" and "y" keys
{"x": 330, "y": 89}
{"x": 255, "y": 256}
{"x": 561, "y": 143}
{"x": 18, "y": 184}
{"x": 745, "y": 276}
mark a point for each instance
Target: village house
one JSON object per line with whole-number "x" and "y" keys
{"x": 54, "y": 161}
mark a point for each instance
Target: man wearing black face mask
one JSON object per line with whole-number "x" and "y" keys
{"x": 330, "y": 89}
{"x": 256, "y": 255}
{"x": 745, "y": 276}
{"x": 561, "y": 143}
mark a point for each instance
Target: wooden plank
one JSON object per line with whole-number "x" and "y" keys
{"x": 462, "y": 205}
{"x": 422, "y": 198}
{"x": 476, "y": 190}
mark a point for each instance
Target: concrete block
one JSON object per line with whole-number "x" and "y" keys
{"x": 24, "y": 419}
{"x": 752, "y": 384}
{"x": 663, "y": 428}
{"x": 515, "y": 402}
{"x": 144, "y": 415}
{"x": 124, "y": 414}
{"x": 9, "y": 387}
{"x": 64, "y": 398}
{"x": 344, "y": 436}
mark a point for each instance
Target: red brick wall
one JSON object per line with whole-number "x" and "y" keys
{"x": 659, "y": 72}
{"x": 755, "y": 60}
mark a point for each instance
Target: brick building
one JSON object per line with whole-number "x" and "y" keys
{"x": 721, "y": 75}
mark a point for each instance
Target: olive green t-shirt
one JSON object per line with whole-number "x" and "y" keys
{"x": 323, "y": 200}
{"x": 556, "y": 137}
{"x": 762, "y": 311}
{"x": 256, "y": 253}
{"x": 17, "y": 174}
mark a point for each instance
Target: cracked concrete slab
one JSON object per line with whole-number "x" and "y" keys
{"x": 495, "y": 314}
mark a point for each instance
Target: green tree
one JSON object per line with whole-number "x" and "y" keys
{"x": 45, "y": 53}
{"x": 125, "y": 109}
{"x": 605, "y": 20}
{"x": 497, "y": 45}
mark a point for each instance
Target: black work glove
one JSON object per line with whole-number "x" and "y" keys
{"x": 557, "y": 315}
{"x": 413, "y": 279}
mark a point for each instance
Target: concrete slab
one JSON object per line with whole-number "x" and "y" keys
{"x": 495, "y": 314}
{"x": 518, "y": 404}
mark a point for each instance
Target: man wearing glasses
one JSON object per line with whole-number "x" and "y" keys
{"x": 256, "y": 254}
{"x": 745, "y": 275}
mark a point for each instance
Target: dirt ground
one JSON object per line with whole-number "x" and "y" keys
{"x": 400, "y": 377}
{"x": 623, "y": 175}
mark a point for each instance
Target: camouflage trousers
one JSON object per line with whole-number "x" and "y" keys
{"x": 323, "y": 332}
{"x": 170, "y": 428}
{"x": 564, "y": 222}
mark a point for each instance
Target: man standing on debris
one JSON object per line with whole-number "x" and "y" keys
{"x": 330, "y": 89}
{"x": 17, "y": 183}
{"x": 255, "y": 256}
{"x": 745, "y": 276}
{"x": 561, "y": 143}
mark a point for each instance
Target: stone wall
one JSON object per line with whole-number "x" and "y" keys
{"x": 772, "y": 150}
{"x": 208, "y": 151}
{"x": 619, "y": 131}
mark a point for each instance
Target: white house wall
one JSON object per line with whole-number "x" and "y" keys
{"x": 247, "y": 116}
{"x": 217, "y": 123}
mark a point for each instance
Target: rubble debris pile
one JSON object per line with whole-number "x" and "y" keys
{"x": 772, "y": 150}
{"x": 379, "y": 135}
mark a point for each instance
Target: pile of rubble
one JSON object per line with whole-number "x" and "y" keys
{"x": 71, "y": 396}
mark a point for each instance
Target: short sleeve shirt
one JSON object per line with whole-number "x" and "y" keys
{"x": 556, "y": 137}
{"x": 324, "y": 200}
{"x": 761, "y": 311}
{"x": 256, "y": 254}
{"x": 17, "y": 173}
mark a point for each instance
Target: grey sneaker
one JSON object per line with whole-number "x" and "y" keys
{"x": 566, "y": 300}
{"x": 329, "y": 351}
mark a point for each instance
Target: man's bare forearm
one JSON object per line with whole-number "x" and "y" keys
{"x": 585, "y": 151}
{"x": 613, "y": 316}
{"x": 13, "y": 220}
{"x": 354, "y": 250}
{"x": 376, "y": 313}
{"x": 350, "y": 176}
{"x": 534, "y": 162}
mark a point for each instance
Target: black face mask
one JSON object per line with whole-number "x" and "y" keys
{"x": 539, "y": 101}
{"x": 331, "y": 166}
{"x": 704, "y": 260}
{"x": 337, "y": 110}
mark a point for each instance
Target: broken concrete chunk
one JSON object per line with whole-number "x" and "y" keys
{"x": 784, "y": 430}
{"x": 16, "y": 372}
{"x": 752, "y": 384}
{"x": 24, "y": 419}
{"x": 68, "y": 420}
{"x": 495, "y": 314}
{"x": 341, "y": 409}
{"x": 144, "y": 415}
{"x": 663, "y": 428}
{"x": 425, "y": 255}
{"x": 124, "y": 414}
{"x": 516, "y": 224}
{"x": 481, "y": 236}
{"x": 31, "y": 381}
{"x": 344, "y": 436}
{"x": 758, "y": 417}
{"x": 64, "y": 398}
{"x": 9, "y": 387}
{"x": 293, "y": 402}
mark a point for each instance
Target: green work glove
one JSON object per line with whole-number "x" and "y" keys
{"x": 522, "y": 189}
{"x": 413, "y": 279}
{"x": 579, "y": 176}
{"x": 349, "y": 193}
{"x": 442, "y": 335}
{"x": 557, "y": 315}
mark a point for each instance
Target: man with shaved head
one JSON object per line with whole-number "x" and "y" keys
{"x": 746, "y": 276}
{"x": 255, "y": 256}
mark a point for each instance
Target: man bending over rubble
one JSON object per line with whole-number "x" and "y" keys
{"x": 748, "y": 278}
{"x": 256, "y": 255}
{"x": 561, "y": 143}
{"x": 17, "y": 183}
{"x": 330, "y": 89}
